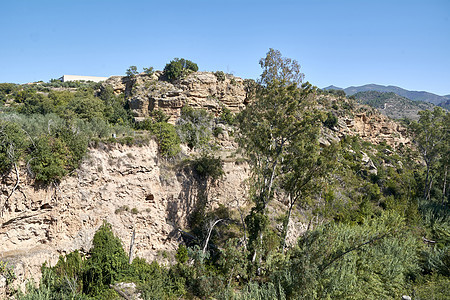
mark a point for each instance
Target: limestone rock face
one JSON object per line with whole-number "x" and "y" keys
{"x": 199, "y": 90}
{"x": 374, "y": 128}
{"x": 127, "y": 186}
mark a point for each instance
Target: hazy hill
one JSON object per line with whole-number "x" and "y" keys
{"x": 445, "y": 104}
{"x": 413, "y": 95}
{"x": 392, "y": 105}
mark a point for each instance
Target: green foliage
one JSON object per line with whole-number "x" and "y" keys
{"x": 85, "y": 106}
{"x": 208, "y": 167}
{"x": 331, "y": 120}
{"x": 280, "y": 132}
{"x": 217, "y": 131}
{"x": 149, "y": 70}
{"x": 168, "y": 140}
{"x": 7, "y": 272}
{"x": 182, "y": 254}
{"x": 55, "y": 155}
{"x": 7, "y": 88}
{"x": 178, "y": 68}
{"x": 122, "y": 209}
{"x": 13, "y": 143}
{"x": 33, "y": 103}
{"x": 220, "y": 75}
{"x": 227, "y": 116}
{"x": 48, "y": 159}
{"x": 279, "y": 69}
{"x": 132, "y": 71}
{"x": 338, "y": 93}
{"x": 194, "y": 127}
{"x": 155, "y": 282}
{"x": 107, "y": 261}
{"x": 375, "y": 258}
{"x": 115, "y": 111}
{"x": 166, "y": 135}
{"x": 431, "y": 135}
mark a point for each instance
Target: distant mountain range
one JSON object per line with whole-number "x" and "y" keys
{"x": 413, "y": 95}
{"x": 393, "y": 105}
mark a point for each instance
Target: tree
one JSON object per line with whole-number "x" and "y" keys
{"x": 351, "y": 261}
{"x": 431, "y": 134}
{"x": 149, "y": 70}
{"x": 107, "y": 262}
{"x": 178, "y": 68}
{"x": 13, "y": 144}
{"x": 195, "y": 128}
{"x": 279, "y": 132}
{"x": 280, "y": 69}
{"x": 132, "y": 71}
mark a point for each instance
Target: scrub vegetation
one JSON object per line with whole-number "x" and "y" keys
{"x": 371, "y": 235}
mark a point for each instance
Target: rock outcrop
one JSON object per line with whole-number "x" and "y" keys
{"x": 199, "y": 90}
{"x": 376, "y": 128}
{"x": 129, "y": 187}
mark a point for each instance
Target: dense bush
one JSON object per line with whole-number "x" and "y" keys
{"x": 13, "y": 143}
{"x": 165, "y": 133}
{"x": 195, "y": 128}
{"x": 54, "y": 156}
{"x": 220, "y": 75}
{"x": 208, "y": 167}
{"x": 227, "y": 116}
{"x": 331, "y": 120}
{"x": 76, "y": 276}
{"x": 178, "y": 68}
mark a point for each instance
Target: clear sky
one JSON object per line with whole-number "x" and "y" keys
{"x": 344, "y": 43}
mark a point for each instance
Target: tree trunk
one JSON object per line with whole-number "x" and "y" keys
{"x": 425, "y": 190}
{"x": 209, "y": 234}
{"x": 445, "y": 186}
{"x": 131, "y": 246}
{"x": 286, "y": 226}
{"x": 429, "y": 188}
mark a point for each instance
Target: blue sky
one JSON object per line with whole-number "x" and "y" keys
{"x": 344, "y": 43}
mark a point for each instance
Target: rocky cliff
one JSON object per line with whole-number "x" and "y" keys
{"x": 128, "y": 187}
{"x": 199, "y": 90}
{"x": 133, "y": 189}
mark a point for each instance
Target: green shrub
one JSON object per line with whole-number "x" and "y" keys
{"x": 209, "y": 167}
{"x": 220, "y": 75}
{"x": 166, "y": 135}
{"x": 182, "y": 254}
{"x": 217, "y": 131}
{"x": 149, "y": 70}
{"x": 178, "y": 68}
{"x": 13, "y": 143}
{"x": 48, "y": 159}
{"x": 122, "y": 209}
{"x": 132, "y": 71}
{"x": 107, "y": 261}
{"x": 331, "y": 120}
{"x": 227, "y": 116}
{"x": 168, "y": 140}
{"x": 7, "y": 272}
{"x": 194, "y": 127}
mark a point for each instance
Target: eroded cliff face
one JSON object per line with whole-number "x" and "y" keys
{"x": 199, "y": 90}
{"x": 204, "y": 90}
{"x": 129, "y": 187}
{"x": 365, "y": 122}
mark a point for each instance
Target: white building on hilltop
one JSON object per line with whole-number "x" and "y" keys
{"x": 66, "y": 78}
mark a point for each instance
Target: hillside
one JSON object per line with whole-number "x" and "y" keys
{"x": 393, "y": 105}
{"x": 413, "y": 95}
{"x": 206, "y": 185}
